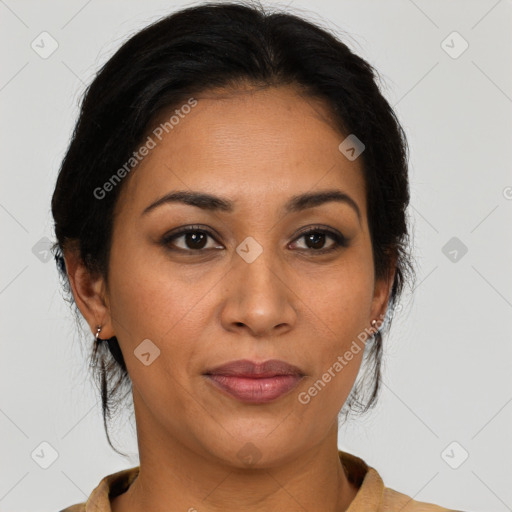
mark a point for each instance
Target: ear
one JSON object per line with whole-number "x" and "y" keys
{"x": 90, "y": 294}
{"x": 381, "y": 293}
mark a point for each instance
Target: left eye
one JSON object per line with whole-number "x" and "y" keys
{"x": 316, "y": 239}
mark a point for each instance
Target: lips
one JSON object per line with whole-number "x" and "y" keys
{"x": 253, "y": 382}
{"x": 250, "y": 369}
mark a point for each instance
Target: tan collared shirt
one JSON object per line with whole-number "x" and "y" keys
{"x": 372, "y": 496}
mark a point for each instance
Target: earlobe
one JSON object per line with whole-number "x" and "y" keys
{"x": 382, "y": 292}
{"x": 89, "y": 293}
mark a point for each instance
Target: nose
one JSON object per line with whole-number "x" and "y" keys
{"x": 259, "y": 297}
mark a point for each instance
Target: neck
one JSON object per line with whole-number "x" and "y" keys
{"x": 174, "y": 477}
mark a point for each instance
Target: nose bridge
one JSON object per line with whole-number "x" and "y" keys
{"x": 257, "y": 265}
{"x": 258, "y": 296}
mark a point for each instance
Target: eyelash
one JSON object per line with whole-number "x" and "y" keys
{"x": 340, "y": 241}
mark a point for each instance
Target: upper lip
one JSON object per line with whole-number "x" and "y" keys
{"x": 252, "y": 369}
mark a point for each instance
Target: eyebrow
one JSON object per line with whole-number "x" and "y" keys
{"x": 215, "y": 203}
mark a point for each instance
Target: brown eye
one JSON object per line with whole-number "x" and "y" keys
{"x": 193, "y": 240}
{"x": 315, "y": 240}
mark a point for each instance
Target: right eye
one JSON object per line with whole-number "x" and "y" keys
{"x": 194, "y": 239}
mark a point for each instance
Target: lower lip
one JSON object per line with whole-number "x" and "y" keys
{"x": 255, "y": 390}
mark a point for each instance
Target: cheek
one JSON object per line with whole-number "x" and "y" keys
{"x": 340, "y": 306}
{"x": 147, "y": 298}
{"x": 148, "y": 304}
{"x": 156, "y": 300}
{"x": 342, "y": 298}
{"x": 336, "y": 349}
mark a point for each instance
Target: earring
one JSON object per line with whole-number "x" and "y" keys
{"x": 374, "y": 323}
{"x": 97, "y": 338}
{"x": 113, "y": 347}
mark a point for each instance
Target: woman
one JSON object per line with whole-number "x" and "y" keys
{"x": 230, "y": 217}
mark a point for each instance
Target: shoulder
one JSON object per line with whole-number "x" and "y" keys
{"x": 79, "y": 507}
{"x": 374, "y": 496}
{"x": 110, "y": 486}
{"x": 393, "y": 500}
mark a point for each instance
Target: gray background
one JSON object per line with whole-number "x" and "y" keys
{"x": 447, "y": 367}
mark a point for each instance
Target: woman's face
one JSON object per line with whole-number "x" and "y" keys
{"x": 248, "y": 284}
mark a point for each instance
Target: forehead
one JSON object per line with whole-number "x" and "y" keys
{"x": 258, "y": 147}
